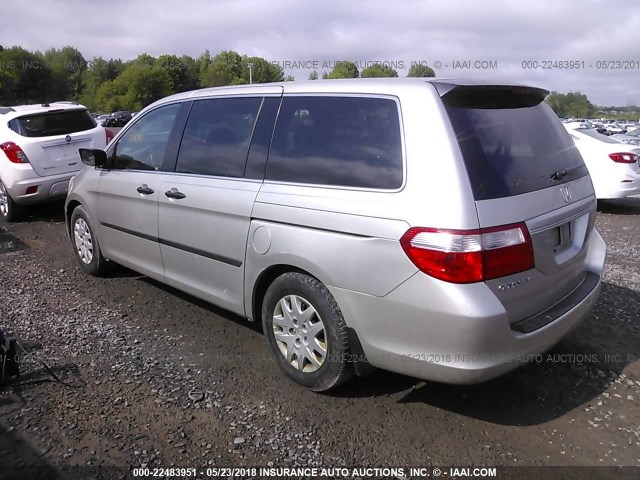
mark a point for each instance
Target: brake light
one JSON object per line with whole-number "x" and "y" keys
{"x": 468, "y": 256}
{"x": 624, "y": 157}
{"x": 14, "y": 153}
{"x": 109, "y": 135}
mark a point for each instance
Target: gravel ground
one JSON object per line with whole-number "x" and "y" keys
{"x": 153, "y": 377}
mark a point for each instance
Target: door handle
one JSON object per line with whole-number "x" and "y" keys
{"x": 174, "y": 193}
{"x": 144, "y": 189}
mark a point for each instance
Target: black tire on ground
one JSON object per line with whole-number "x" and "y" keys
{"x": 335, "y": 368}
{"x": 9, "y": 210}
{"x": 84, "y": 241}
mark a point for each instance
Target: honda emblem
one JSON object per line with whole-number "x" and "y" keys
{"x": 566, "y": 193}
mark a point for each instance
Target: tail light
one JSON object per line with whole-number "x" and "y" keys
{"x": 624, "y": 157}
{"x": 109, "y": 135}
{"x": 468, "y": 256}
{"x": 14, "y": 153}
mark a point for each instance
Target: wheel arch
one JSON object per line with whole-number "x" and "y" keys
{"x": 69, "y": 208}
{"x": 266, "y": 278}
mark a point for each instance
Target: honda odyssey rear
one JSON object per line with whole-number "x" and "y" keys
{"x": 439, "y": 229}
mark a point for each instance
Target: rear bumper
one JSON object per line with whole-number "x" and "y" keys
{"x": 461, "y": 334}
{"x": 22, "y": 176}
{"x": 621, "y": 186}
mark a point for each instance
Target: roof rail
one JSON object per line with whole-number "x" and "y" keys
{"x": 59, "y": 102}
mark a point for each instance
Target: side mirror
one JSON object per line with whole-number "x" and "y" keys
{"x": 93, "y": 157}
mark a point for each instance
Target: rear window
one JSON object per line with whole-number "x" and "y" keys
{"x": 511, "y": 141}
{"x": 342, "y": 141}
{"x": 53, "y": 123}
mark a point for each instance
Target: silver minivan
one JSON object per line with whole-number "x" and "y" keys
{"x": 435, "y": 228}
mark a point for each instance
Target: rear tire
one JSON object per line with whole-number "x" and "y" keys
{"x": 9, "y": 210}
{"x": 306, "y": 332}
{"x": 85, "y": 244}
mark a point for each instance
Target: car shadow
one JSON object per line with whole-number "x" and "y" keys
{"x": 52, "y": 212}
{"x": 221, "y": 312}
{"x": 19, "y": 460}
{"x": 625, "y": 206}
{"x": 9, "y": 242}
{"x": 573, "y": 373}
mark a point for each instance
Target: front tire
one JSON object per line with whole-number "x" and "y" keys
{"x": 9, "y": 210}
{"x": 85, "y": 244}
{"x": 306, "y": 332}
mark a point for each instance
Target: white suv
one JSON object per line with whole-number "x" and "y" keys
{"x": 39, "y": 145}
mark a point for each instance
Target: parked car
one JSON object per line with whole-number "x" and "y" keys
{"x": 632, "y": 137}
{"x": 613, "y": 166}
{"x": 439, "y": 229}
{"x": 101, "y": 119}
{"x": 614, "y": 127}
{"x": 118, "y": 119}
{"x": 39, "y": 146}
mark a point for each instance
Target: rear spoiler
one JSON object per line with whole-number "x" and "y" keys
{"x": 490, "y": 96}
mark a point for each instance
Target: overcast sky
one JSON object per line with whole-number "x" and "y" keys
{"x": 502, "y": 33}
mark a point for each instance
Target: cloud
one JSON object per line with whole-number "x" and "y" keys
{"x": 507, "y": 32}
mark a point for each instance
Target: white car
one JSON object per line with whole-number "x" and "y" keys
{"x": 39, "y": 152}
{"x": 613, "y": 166}
{"x": 614, "y": 128}
{"x": 632, "y": 137}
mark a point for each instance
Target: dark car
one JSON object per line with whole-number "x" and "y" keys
{"x": 118, "y": 119}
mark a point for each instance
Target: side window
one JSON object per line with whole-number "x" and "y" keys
{"x": 346, "y": 141}
{"x": 144, "y": 145}
{"x": 217, "y": 136}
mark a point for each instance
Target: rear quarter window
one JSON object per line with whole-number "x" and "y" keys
{"x": 50, "y": 124}
{"x": 342, "y": 141}
{"x": 512, "y": 143}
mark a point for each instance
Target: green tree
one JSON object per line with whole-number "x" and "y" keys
{"x": 418, "y": 70}
{"x": 98, "y": 72}
{"x": 572, "y": 104}
{"x": 313, "y": 75}
{"x": 176, "y": 70}
{"x": 144, "y": 59}
{"x": 262, "y": 70}
{"x": 24, "y": 77}
{"x": 378, "y": 70}
{"x": 225, "y": 69}
{"x": 343, "y": 69}
{"x": 136, "y": 87}
{"x": 192, "y": 70}
{"x": 108, "y": 97}
{"x": 67, "y": 67}
{"x": 204, "y": 61}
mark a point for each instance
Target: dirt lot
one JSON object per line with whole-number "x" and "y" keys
{"x": 157, "y": 378}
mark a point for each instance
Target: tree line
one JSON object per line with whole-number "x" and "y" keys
{"x": 109, "y": 85}
{"x": 577, "y": 105}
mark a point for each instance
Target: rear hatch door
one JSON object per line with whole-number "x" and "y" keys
{"x": 524, "y": 167}
{"x": 51, "y": 139}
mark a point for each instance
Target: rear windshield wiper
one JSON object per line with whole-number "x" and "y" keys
{"x": 560, "y": 174}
